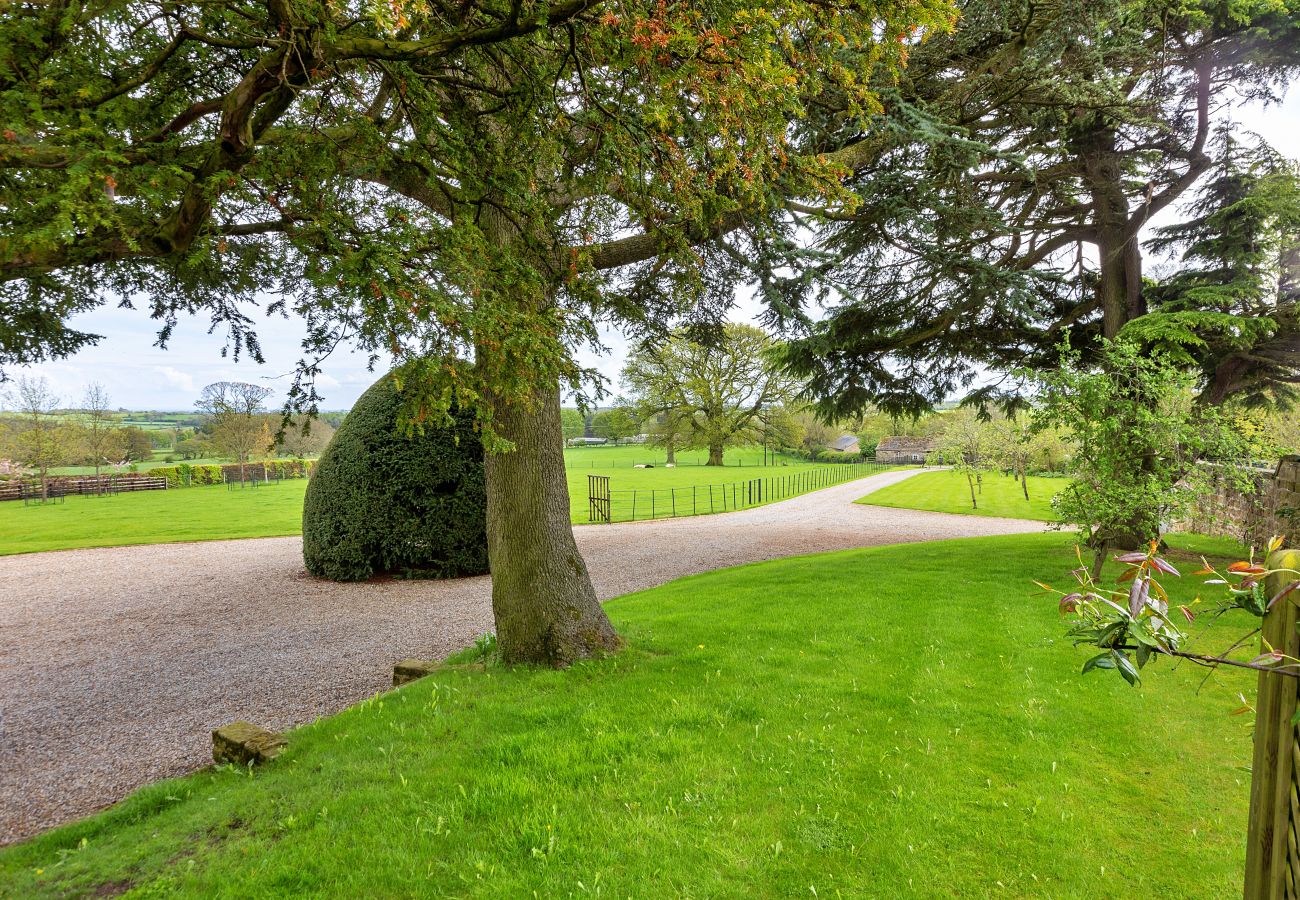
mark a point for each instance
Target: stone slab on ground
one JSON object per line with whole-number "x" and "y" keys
{"x": 409, "y": 670}
{"x": 243, "y": 743}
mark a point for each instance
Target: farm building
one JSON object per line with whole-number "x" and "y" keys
{"x": 846, "y": 443}
{"x": 903, "y": 449}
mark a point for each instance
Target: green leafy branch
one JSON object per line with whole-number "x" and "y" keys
{"x": 1130, "y": 624}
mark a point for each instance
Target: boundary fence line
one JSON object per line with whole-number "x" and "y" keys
{"x": 606, "y": 505}
{"x": 63, "y": 486}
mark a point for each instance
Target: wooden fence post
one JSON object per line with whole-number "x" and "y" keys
{"x": 1272, "y": 863}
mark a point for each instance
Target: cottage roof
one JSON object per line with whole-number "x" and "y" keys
{"x": 906, "y": 444}
{"x": 844, "y": 442}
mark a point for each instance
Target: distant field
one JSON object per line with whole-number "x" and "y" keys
{"x": 629, "y": 455}
{"x": 159, "y": 460}
{"x": 947, "y": 491}
{"x": 216, "y": 512}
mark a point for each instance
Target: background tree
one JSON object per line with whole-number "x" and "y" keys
{"x": 302, "y": 436}
{"x": 573, "y": 423}
{"x": 41, "y": 440}
{"x": 99, "y": 437}
{"x": 134, "y": 444}
{"x": 669, "y": 430}
{"x": 470, "y": 188}
{"x": 721, "y": 392}
{"x": 965, "y": 444}
{"x": 616, "y": 423}
{"x": 236, "y": 412}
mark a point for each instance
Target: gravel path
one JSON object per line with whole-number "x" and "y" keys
{"x": 116, "y": 663}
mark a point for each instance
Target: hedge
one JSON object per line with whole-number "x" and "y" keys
{"x": 381, "y": 502}
{"x": 186, "y": 475}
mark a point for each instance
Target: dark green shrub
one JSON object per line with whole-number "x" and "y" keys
{"x": 381, "y": 502}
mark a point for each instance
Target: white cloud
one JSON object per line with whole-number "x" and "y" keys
{"x": 176, "y": 378}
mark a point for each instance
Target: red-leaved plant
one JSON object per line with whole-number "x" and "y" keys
{"x": 1131, "y": 623}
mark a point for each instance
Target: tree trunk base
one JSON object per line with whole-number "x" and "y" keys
{"x": 543, "y": 601}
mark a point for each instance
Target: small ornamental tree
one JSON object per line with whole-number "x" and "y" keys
{"x": 1130, "y": 624}
{"x": 385, "y": 501}
{"x": 1138, "y": 438}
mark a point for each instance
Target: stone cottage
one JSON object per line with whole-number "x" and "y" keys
{"x": 902, "y": 450}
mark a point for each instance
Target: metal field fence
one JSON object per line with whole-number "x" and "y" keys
{"x": 606, "y": 503}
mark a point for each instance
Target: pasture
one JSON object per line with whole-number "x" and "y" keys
{"x": 815, "y": 726}
{"x": 272, "y": 510}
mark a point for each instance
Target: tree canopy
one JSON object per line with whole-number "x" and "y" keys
{"x": 713, "y": 395}
{"x": 1023, "y": 155}
{"x": 470, "y": 187}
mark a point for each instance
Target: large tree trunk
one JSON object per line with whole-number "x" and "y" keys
{"x": 715, "y": 455}
{"x": 1119, "y": 264}
{"x": 545, "y": 606}
{"x": 671, "y": 447}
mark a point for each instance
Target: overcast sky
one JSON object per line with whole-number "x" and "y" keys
{"x": 140, "y": 376}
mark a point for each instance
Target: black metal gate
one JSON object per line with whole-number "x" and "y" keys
{"x": 598, "y": 505}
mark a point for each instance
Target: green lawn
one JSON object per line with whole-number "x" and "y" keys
{"x": 947, "y": 491}
{"x": 151, "y": 517}
{"x": 902, "y": 721}
{"x": 212, "y": 513}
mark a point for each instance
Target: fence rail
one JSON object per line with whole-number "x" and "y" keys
{"x": 90, "y": 485}
{"x": 631, "y": 505}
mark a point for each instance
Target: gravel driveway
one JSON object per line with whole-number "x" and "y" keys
{"x": 116, "y": 663}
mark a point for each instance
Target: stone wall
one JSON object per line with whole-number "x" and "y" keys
{"x": 1274, "y": 507}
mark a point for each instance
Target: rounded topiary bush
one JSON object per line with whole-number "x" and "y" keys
{"x": 380, "y": 502}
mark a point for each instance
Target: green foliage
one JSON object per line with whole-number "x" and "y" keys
{"x": 1231, "y": 310}
{"x": 385, "y": 501}
{"x": 572, "y": 422}
{"x": 616, "y": 423}
{"x": 1137, "y": 439}
{"x": 981, "y": 239}
{"x": 713, "y": 394}
{"x": 358, "y": 162}
{"x": 186, "y": 475}
{"x": 1132, "y": 623}
{"x": 820, "y": 722}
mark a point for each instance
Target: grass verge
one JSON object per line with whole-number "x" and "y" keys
{"x": 947, "y": 491}
{"x": 901, "y": 721}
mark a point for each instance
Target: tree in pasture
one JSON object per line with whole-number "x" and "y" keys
{"x": 100, "y": 439}
{"x": 41, "y": 440}
{"x": 470, "y": 188}
{"x": 134, "y": 444}
{"x": 236, "y": 412}
{"x": 303, "y": 436}
{"x": 966, "y": 445}
{"x": 722, "y": 392}
{"x": 616, "y": 423}
{"x": 668, "y": 430}
{"x": 573, "y": 424}
{"x": 1026, "y": 151}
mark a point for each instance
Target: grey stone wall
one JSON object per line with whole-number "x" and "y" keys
{"x": 1274, "y": 507}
